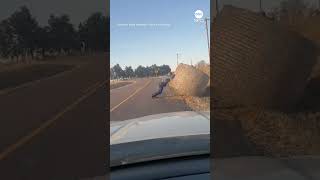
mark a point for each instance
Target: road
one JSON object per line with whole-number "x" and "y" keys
{"x": 134, "y": 100}
{"x": 56, "y": 128}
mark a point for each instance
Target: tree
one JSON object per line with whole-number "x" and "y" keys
{"x": 6, "y": 38}
{"x": 95, "y": 32}
{"x": 119, "y": 73}
{"x": 112, "y": 74}
{"x": 140, "y": 71}
{"x": 164, "y": 69}
{"x": 129, "y": 72}
{"x": 43, "y": 40}
{"x": 21, "y": 35}
{"x": 154, "y": 70}
{"x": 23, "y": 27}
{"x": 149, "y": 71}
{"x": 62, "y": 33}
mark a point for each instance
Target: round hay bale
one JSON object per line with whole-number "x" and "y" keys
{"x": 189, "y": 81}
{"x": 205, "y": 68}
{"x": 257, "y": 62}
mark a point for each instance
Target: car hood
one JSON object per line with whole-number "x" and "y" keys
{"x": 163, "y": 125}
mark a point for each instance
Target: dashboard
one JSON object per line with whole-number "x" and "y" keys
{"x": 190, "y": 168}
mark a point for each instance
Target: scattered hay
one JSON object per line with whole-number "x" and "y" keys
{"x": 279, "y": 134}
{"x": 198, "y": 103}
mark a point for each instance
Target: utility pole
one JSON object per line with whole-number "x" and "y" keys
{"x": 260, "y": 5}
{"x": 217, "y": 8}
{"x": 207, "y": 31}
{"x": 177, "y": 59}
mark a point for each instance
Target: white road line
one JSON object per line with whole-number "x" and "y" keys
{"x": 138, "y": 90}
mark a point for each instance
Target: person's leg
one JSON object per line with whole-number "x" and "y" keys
{"x": 161, "y": 89}
{"x": 158, "y": 92}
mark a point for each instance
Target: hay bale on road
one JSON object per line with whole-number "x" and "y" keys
{"x": 205, "y": 68}
{"x": 189, "y": 81}
{"x": 258, "y": 62}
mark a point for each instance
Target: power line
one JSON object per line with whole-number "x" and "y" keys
{"x": 177, "y": 59}
{"x": 260, "y": 5}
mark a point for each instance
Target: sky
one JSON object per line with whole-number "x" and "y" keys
{"x": 79, "y": 10}
{"x": 159, "y": 30}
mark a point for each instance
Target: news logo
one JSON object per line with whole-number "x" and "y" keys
{"x": 198, "y": 14}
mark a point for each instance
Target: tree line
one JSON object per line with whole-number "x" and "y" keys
{"x": 117, "y": 72}
{"x": 21, "y": 35}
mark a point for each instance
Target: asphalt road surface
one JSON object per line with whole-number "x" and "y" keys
{"x": 134, "y": 100}
{"x": 56, "y": 128}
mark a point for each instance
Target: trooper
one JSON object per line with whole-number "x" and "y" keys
{"x": 162, "y": 84}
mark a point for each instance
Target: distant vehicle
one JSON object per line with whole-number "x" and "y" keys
{"x": 163, "y": 146}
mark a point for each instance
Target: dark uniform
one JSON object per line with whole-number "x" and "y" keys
{"x": 162, "y": 84}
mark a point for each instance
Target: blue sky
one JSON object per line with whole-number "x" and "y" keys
{"x": 174, "y": 31}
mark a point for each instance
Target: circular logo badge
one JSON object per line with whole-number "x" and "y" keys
{"x": 198, "y": 14}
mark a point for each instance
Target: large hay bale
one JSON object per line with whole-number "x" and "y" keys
{"x": 189, "y": 81}
{"x": 258, "y": 62}
{"x": 205, "y": 68}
